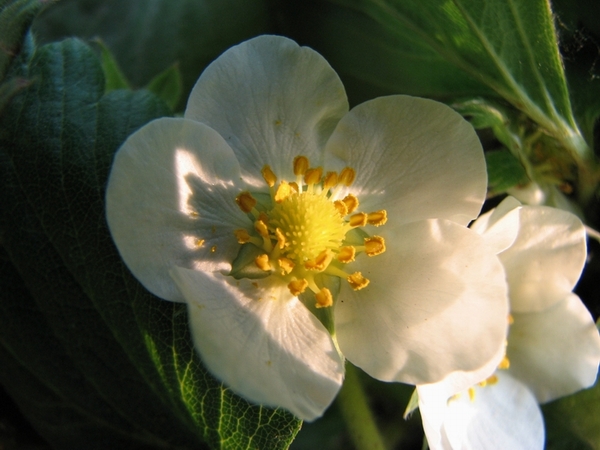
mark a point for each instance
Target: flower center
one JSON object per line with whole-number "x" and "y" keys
{"x": 304, "y": 230}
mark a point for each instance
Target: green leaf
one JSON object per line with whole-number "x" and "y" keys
{"x": 86, "y": 350}
{"x": 572, "y": 422}
{"x": 504, "y": 171}
{"x": 507, "y": 45}
{"x": 15, "y": 19}
{"x": 146, "y": 40}
{"x": 114, "y": 78}
{"x": 168, "y": 86}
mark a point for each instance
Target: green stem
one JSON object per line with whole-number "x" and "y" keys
{"x": 359, "y": 419}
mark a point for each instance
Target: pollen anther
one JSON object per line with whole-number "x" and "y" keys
{"x": 505, "y": 363}
{"x": 351, "y": 203}
{"x": 286, "y": 264}
{"x": 357, "y": 281}
{"x": 377, "y": 218}
{"x": 245, "y": 201}
{"x": 262, "y": 229}
{"x": 324, "y": 298}
{"x": 358, "y": 220}
{"x": 300, "y": 165}
{"x": 269, "y": 176}
{"x": 313, "y": 176}
{"x": 346, "y": 254}
{"x": 341, "y": 207}
{"x": 283, "y": 191}
{"x": 297, "y": 287}
{"x": 321, "y": 262}
{"x": 242, "y": 236}
{"x": 347, "y": 176}
{"x": 374, "y": 245}
{"x": 330, "y": 180}
{"x": 262, "y": 262}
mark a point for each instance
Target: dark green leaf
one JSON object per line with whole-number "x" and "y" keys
{"x": 508, "y": 46}
{"x": 15, "y": 19}
{"x": 572, "y": 422}
{"x": 168, "y": 86}
{"x": 86, "y": 351}
{"x": 504, "y": 171}
{"x": 147, "y": 39}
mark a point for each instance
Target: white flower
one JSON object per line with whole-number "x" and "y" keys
{"x": 270, "y": 202}
{"x": 553, "y": 346}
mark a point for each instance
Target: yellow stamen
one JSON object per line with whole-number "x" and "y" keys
{"x": 358, "y": 220}
{"x": 199, "y": 242}
{"x": 347, "y": 176}
{"x": 324, "y": 298}
{"x": 245, "y": 201}
{"x": 283, "y": 191}
{"x": 297, "y": 287}
{"x": 472, "y": 394}
{"x": 294, "y": 186}
{"x": 330, "y": 180}
{"x": 262, "y": 262}
{"x": 213, "y": 249}
{"x": 242, "y": 236}
{"x": 300, "y": 165}
{"x": 346, "y": 254}
{"x": 351, "y": 203}
{"x": 262, "y": 229}
{"x": 377, "y": 218}
{"x": 269, "y": 176}
{"x": 313, "y": 176}
{"x": 493, "y": 379}
{"x": 511, "y": 319}
{"x": 280, "y": 238}
{"x": 374, "y": 245}
{"x": 505, "y": 363}
{"x": 321, "y": 262}
{"x": 341, "y": 207}
{"x": 357, "y": 281}
{"x": 286, "y": 264}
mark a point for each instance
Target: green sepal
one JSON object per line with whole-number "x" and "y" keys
{"x": 113, "y": 76}
{"x": 504, "y": 171}
{"x": 325, "y": 315}
{"x": 168, "y": 85}
{"x": 413, "y": 404}
{"x": 243, "y": 265}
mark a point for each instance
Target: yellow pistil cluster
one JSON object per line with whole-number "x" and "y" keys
{"x": 303, "y": 232}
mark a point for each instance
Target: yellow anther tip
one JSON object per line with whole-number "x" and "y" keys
{"x": 283, "y": 191}
{"x": 374, "y": 245}
{"x": 300, "y": 165}
{"x": 341, "y": 207}
{"x": 324, "y": 298}
{"x": 297, "y": 287}
{"x": 377, "y": 218}
{"x": 346, "y": 254}
{"x": 347, "y": 176}
{"x": 245, "y": 201}
{"x": 313, "y": 176}
{"x": 330, "y": 180}
{"x": 351, "y": 203}
{"x": 262, "y": 262}
{"x": 357, "y": 281}
{"x": 286, "y": 265}
{"x": 268, "y": 175}
{"x": 242, "y": 236}
{"x": 358, "y": 220}
{"x": 261, "y": 227}
{"x": 321, "y": 262}
{"x": 505, "y": 363}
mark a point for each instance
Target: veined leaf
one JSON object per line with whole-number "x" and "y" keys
{"x": 508, "y": 45}
{"x": 132, "y": 376}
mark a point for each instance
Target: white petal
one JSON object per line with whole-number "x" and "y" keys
{"x": 415, "y": 157}
{"x": 271, "y": 100}
{"x": 500, "y": 416}
{"x": 546, "y": 259}
{"x": 436, "y": 303}
{"x": 499, "y": 227}
{"x": 555, "y": 351}
{"x": 173, "y": 184}
{"x": 264, "y": 345}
